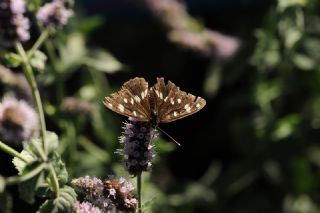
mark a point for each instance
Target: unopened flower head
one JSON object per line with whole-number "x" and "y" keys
{"x": 85, "y": 207}
{"x": 18, "y": 120}
{"x": 54, "y": 14}
{"x": 138, "y": 147}
{"x": 14, "y": 26}
{"x": 119, "y": 191}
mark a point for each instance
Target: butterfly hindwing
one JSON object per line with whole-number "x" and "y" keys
{"x": 131, "y": 100}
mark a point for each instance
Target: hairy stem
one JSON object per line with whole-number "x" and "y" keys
{"x": 12, "y": 152}
{"x": 39, "y": 42}
{"x": 35, "y": 93}
{"x": 28, "y": 176}
{"x": 54, "y": 180}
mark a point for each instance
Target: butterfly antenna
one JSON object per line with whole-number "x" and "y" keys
{"x": 169, "y": 136}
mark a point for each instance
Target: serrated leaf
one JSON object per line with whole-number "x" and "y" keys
{"x": 38, "y": 60}
{"x": 52, "y": 142}
{"x": 62, "y": 204}
{"x": 59, "y": 168}
{"x": 20, "y": 164}
{"x": 27, "y": 188}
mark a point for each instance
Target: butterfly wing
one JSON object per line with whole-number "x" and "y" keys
{"x": 171, "y": 103}
{"x": 131, "y": 100}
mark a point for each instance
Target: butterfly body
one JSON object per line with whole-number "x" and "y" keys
{"x": 161, "y": 103}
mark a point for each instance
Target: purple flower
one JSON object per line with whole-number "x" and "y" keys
{"x": 54, "y": 14}
{"x": 85, "y": 207}
{"x": 90, "y": 186}
{"x": 138, "y": 149}
{"x": 93, "y": 190}
{"x": 18, "y": 120}
{"x": 14, "y": 26}
{"x": 120, "y": 193}
{"x": 109, "y": 195}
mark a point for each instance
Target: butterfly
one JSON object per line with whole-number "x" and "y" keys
{"x": 162, "y": 103}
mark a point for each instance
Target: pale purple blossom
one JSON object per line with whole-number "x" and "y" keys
{"x": 18, "y": 120}
{"x": 138, "y": 148}
{"x": 85, "y": 207}
{"x": 14, "y": 26}
{"x": 54, "y": 14}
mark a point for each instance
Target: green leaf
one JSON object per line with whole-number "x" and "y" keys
{"x": 12, "y": 59}
{"x": 38, "y": 60}
{"x": 19, "y": 164}
{"x": 73, "y": 51}
{"x": 27, "y": 188}
{"x": 52, "y": 142}
{"x": 62, "y": 204}
{"x": 103, "y": 61}
{"x": 303, "y": 62}
{"x": 284, "y": 4}
{"x": 59, "y": 168}
{"x": 285, "y": 127}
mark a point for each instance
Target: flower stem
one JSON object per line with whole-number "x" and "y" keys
{"x": 55, "y": 182}
{"x": 28, "y": 176}
{"x": 12, "y": 152}
{"x": 38, "y": 43}
{"x": 139, "y": 191}
{"x": 35, "y": 93}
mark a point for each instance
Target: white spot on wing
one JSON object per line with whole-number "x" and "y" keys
{"x": 132, "y": 101}
{"x": 157, "y": 92}
{"x": 160, "y": 95}
{"x": 198, "y": 106}
{"x": 175, "y": 114}
{"x": 172, "y": 101}
{"x": 125, "y": 100}
{"x": 110, "y": 105}
{"x": 142, "y": 95}
{"x": 137, "y": 99}
{"x": 165, "y": 99}
{"x": 187, "y": 108}
{"x": 179, "y": 100}
{"x": 134, "y": 113}
{"x": 121, "y": 107}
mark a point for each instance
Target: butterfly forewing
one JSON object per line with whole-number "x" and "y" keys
{"x": 131, "y": 100}
{"x": 172, "y": 104}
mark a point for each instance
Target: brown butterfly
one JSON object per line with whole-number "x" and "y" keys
{"x": 161, "y": 103}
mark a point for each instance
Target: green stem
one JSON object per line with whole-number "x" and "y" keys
{"x": 55, "y": 182}
{"x": 28, "y": 176}
{"x": 35, "y": 93}
{"x": 12, "y": 152}
{"x": 38, "y": 43}
{"x": 139, "y": 192}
